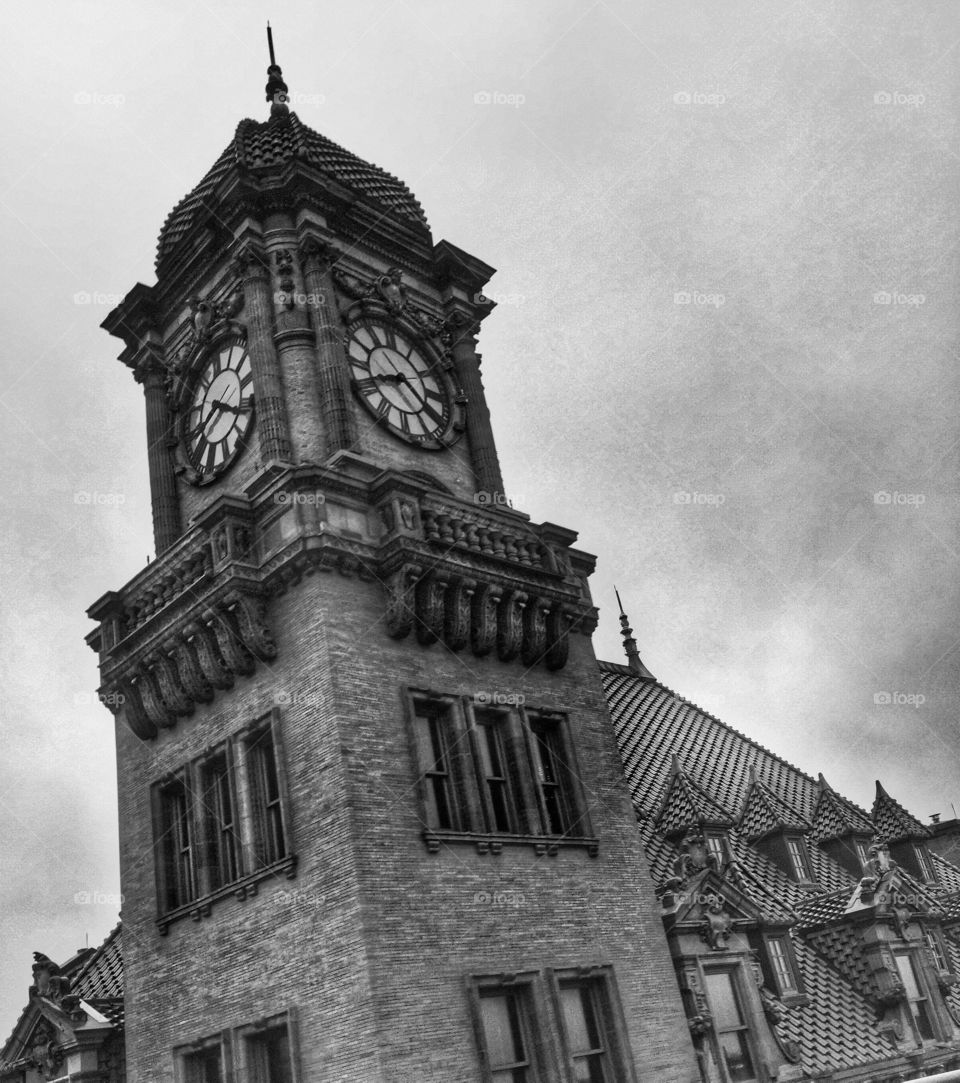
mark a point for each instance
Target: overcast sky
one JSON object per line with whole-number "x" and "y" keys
{"x": 726, "y": 349}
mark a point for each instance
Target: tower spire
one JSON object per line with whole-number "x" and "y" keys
{"x": 630, "y": 644}
{"x": 276, "y": 87}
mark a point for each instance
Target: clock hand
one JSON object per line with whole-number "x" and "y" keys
{"x": 241, "y": 409}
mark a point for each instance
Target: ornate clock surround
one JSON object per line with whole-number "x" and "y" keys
{"x": 181, "y": 389}
{"x": 383, "y": 303}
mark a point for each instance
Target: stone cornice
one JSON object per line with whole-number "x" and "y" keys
{"x": 477, "y": 578}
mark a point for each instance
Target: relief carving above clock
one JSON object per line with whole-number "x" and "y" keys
{"x": 406, "y": 387}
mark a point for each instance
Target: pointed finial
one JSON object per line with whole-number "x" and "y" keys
{"x": 630, "y": 644}
{"x": 276, "y": 87}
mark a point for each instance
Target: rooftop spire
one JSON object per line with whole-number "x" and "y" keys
{"x": 276, "y": 87}
{"x": 630, "y": 644}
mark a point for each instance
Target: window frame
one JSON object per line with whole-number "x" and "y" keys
{"x": 249, "y": 872}
{"x": 182, "y": 1054}
{"x": 788, "y": 993}
{"x": 937, "y": 950}
{"x": 526, "y": 988}
{"x": 463, "y": 797}
{"x": 476, "y": 822}
{"x": 164, "y": 863}
{"x": 246, "y": 742}
{"x": 715, "y": 843}
{"x": 928, "y": 874}
{"x": 738, "y": 982}
{"x": 210, "y": 822}
{"x": 804, "y": 875}
{"x": 570, "y": 785}
{"x": 926, "y": 997}
{"x": 601, "y": 980}
{"x": 244, "y": 1037}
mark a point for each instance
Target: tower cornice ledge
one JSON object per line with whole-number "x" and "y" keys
{"x": 196, "y": 619}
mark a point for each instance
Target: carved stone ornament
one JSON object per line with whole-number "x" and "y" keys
{"x": 228, "y": 640}
{"x": 717, "y": 924}
{"x": 287, "y": 287}
{"x": 206, "y": 313}
{"x": 401, "y": 587}
{"x": 391, "y": 290}
{"x": 48, "y": 980}
{"x": 46, "y": 1053}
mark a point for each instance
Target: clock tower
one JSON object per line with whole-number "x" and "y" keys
{"x": 373, "y": 821}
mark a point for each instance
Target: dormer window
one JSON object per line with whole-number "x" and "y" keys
{"x": 781, "y": 964}
{"x": 717, "y": 849}
{"x": 935, "y": 945}
{"x": 862, "y": 852}
{"x": 799, "y": 859}
{"x": 781, "y": 974}
{"x": 924, "y": 864}
{"x": 916, "y": 997}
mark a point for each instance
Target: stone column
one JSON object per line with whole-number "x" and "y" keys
{"x": 150, "y": 371}
{"x": 294, "y": 340}
{"x": 486, "y": 465}
{"x": 253, "y": 265}
{"x": 333, "y": 373}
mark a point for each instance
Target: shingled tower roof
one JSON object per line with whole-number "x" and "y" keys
{"x": 262, "y": 148}
{"x": 764, "y": 812}
{"x": 892, "y": 821}
{"x": 688, "y": 805}
{"x": 836, "y": 817}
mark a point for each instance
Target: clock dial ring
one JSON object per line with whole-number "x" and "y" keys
{"x": 405, "y": 388}
{"x": 217, "y": 417}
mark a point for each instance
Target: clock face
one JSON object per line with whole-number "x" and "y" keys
{"x": 404, "y": 391}
{"x": 220, "y": 412}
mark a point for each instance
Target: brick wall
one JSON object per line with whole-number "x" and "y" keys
{"x": 373, "y": 940}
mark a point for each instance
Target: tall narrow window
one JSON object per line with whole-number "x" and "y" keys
{"x": 269, "y": 835}
{"x": 716, "y": 849}
{"x": 799, "y": 861}
{"x": 916, "y": 998}
{"x": 268, "y": 1056}
{"x": 936, "y": 949}
{"x": 436, "y": 769}
{"x": 507, "y": 1043}
{"x": 584, "y": 1024}
{"x": 924, "y": 864}
{"x": 780, "y": 963}
{"x": 177, "y": 845}
{"x": 497, "y": 770}
{"x": 552, "y": 777}
{"x": 732, "y": 1033}
{"x": 862, "y": 852}
{"x": 218, "y": 809}
{"x": 205, "y": 1066}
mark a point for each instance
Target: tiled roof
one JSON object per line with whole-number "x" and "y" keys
{"x": 892, "y": 820}
{"x": 947, "y": 872}
{"x": 259, "y": 148}
{"x": 100, "y": 981}
{"x": 686, "y": 805}
{"x": 837, "y": 1029}
{"x": 822, "y": 909}
{"x": 835, "y": 816}
{"x": 765, "y": 812}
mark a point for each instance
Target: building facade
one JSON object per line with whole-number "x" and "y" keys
{"x": 373, "y": 822}
{"x": 384, "y": 817}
